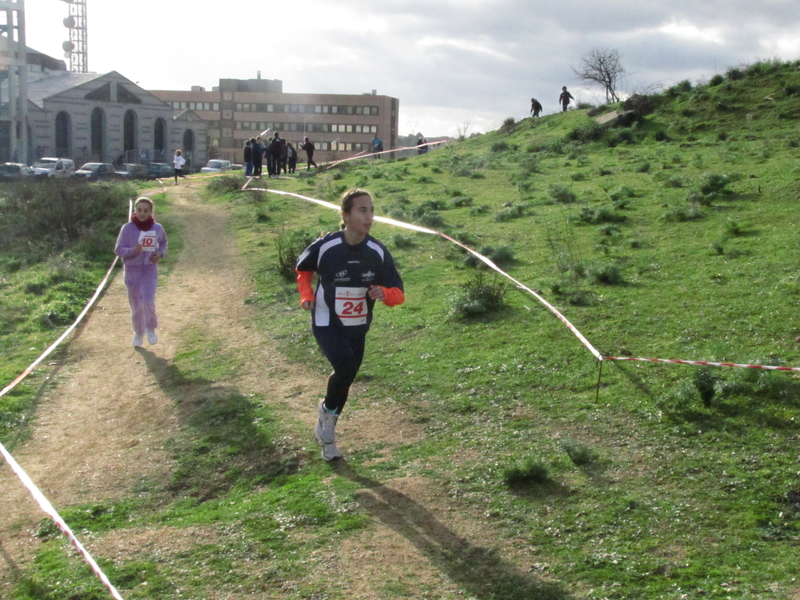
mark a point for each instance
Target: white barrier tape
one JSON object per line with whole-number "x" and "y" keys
{"x": 704, "y": 362}
{"x": 488, "y": 262}
{"x": 55, "y": 344}
{"x": 521, "y": 286}
{"x": 59, "y": 522}
{"x": 43, "y": 502}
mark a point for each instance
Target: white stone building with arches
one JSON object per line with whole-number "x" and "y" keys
{"x": 91, "y": 117}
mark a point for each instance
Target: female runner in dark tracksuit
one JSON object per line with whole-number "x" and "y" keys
{"x": 353, "y": 271}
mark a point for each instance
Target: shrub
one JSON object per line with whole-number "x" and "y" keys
{"x": 510, "y": 212}
{"x": 530, "y": 471}
{"x": 481, "y": 209}
{"x": 51, "y": 216}
{"x": 509, "y": 122}
{"x": 603, "y": 214}
{"x": 681, "y": 214}
{"x": 461, "y": 201}
{"x": 403, "y": 241}
{"x": 431, "y": 219}
{"x": 605, "y": 274}
{"x": 225, "y": 184}
{"x": 501, "y": 146}
{"x": 716, "y": 80}
{"x": 561, "y": 194}
{"x": 290, "y": 245}
{"x": 478, "y": 297}
{"x": 705, "y": 381}
{"x": 588, "y": 132}
{"x": 581, "y": 455}
{"x": 682, "y": 87}
{"x": 500, "y": 255}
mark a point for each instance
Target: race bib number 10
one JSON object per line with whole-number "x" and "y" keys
{"x": 351, "y": 305}
{"x": 148, "y": 241}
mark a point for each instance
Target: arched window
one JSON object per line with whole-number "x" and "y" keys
{"x": 63, "y": 134}
{"x": 98, "y": 135}
{"x": 130, "y": 131}
{"x": 159, "y": 140}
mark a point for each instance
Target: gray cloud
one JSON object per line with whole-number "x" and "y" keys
{"x": 447, "y": 61}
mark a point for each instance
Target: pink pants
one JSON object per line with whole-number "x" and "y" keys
{"x": 141, "y": 282}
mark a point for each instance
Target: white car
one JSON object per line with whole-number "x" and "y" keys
{"x": 216, "y": 166}
{"x": 55, "y": 168}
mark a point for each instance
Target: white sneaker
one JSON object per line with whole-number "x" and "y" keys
{"x": 325, "y": 430}
{"x": 137, "y": 340}
{"x": 330, "y": 452}
{"x": 152, "y": 338}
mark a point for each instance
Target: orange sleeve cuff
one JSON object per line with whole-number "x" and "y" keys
{"x": 304, "y": 279}
{"x": 393, "y": 296}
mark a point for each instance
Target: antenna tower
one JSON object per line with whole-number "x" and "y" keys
{"x": 76, "y": 49}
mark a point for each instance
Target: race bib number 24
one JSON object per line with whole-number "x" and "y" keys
{"x": 351, "y": 305}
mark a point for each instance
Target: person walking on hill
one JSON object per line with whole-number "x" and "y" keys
{"x": 141, "y": 244}
{"x": 177, "y": 163}
{"x": 536, "y": 107}
{"x": 308, "y": 146}
{"x": 354, "y": 271}
{"x": 564, "y": 99}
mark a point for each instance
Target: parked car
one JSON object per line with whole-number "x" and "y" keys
{"x": 96, "y": 172}
{"x": 133, "y": 171}
{"x": 14, "y": 171}
{"x": 160, "y": 170}
{"x": 216, "y": 166}
{"x": 54, "y": 168}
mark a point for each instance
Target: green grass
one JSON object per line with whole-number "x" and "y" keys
{"x": 664, "y": 482}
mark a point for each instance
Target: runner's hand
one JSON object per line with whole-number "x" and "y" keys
{"x": 376, "y": 292}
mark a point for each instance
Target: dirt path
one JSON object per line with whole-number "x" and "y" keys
{"x": 101, "y": 428}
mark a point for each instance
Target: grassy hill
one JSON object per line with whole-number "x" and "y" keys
{"x": 672, "y": 237}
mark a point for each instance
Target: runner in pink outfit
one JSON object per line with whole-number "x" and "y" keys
{"x": 141, "y": 244}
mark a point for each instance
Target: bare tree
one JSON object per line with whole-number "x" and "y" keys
{"x": 602, "y": 67}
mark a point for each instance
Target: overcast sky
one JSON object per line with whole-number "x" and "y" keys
{"x": 451, "y": 63}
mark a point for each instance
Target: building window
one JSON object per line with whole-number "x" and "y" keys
{"x": 238, "y": 107}
{"x": 374, "y": 110}
{"x": 176, "y": 105}
{"x": 270, "y": 108}
{"x": 335, "y": 109}
{"x": 349, "y": 110}
{"x": 183, "y": 106}
{"x": 216, "y": 105}
{"x": 349, "y": 129}
{"x": 317, "y": 109}
{"x": 325, "y": 109}
{"x": 358, "y": 128}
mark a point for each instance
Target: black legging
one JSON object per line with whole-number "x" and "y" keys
{"x": 310, "y": 156}
{"x": 344, "y": 349}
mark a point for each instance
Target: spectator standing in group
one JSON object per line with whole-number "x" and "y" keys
{"x": 291, "y": 157}
{"x": 536, "y": 107}
{"x": 177, "y": 163}
{"x": 257, "y": 154}
{"x": 248, "y": 159}
{"x": 275, "y": 155}
{"x": 422, "y": 145}
{"x": 308, "y": 146}
{"x": 284, "y": 155}
{"x": 564, "y": 99}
